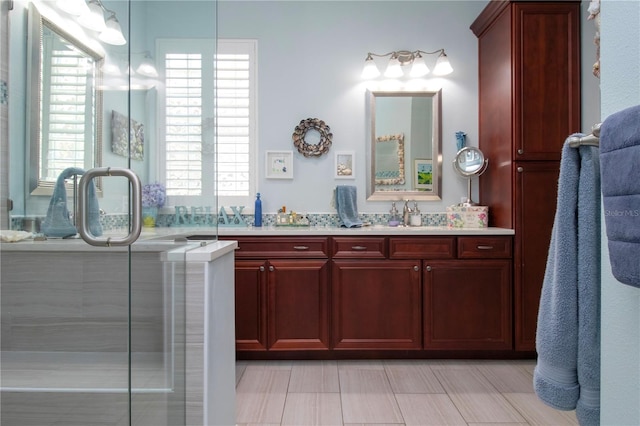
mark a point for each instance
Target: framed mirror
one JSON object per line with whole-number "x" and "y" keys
{"x": 404, "y": 144}
{"x": 389, "y": 160}
{"x": 64, "y": 103}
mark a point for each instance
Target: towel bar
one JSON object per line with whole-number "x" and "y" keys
{"x": 592, "y": 139}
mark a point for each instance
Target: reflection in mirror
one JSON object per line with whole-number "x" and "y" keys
{"x": 470, "y": 163}
{"x": 389, "y": 161}
{"x": 404, "y": 138}
{"x": 65, "y": 107}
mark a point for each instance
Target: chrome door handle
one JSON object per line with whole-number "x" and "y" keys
{"x": 136, "y": 214}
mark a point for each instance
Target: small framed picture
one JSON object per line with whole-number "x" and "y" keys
{"x": 345, "y": 165}
{"x": 423, "y": 175}
{"x": 279, "y": 164}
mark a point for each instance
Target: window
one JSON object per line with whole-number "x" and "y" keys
{"x": 201, "y": 137}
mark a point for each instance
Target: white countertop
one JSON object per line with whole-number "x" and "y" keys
{"x": 164, "y": 239}
{"x": 363, "y": 231}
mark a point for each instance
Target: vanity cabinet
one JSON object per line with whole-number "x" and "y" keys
{"x": 466, "y": 284}
{"x": 375, "y": 301}
{"x": 282, "y": 294}
{"x": 345, "y": 296}
{"x": 376, "y": 304}
{"x": 529, "y": 103}
{"x": 467, "y": 304}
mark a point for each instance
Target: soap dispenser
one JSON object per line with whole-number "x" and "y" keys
{"x": 394, "y": 219}
{"x": 416, "y": 217}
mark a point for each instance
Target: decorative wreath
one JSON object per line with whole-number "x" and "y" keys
{"x": 312, "y": 150}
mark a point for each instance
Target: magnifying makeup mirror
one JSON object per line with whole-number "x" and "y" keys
{"x": 470, "y": 163}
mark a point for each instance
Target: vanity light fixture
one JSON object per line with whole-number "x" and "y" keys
{"x": 112, "y": 34}
{"x": 146, "y": 67}
{"x": 401, "y": 58}
{"x": 91, "y": 16}
{"x": 94, "y": 18}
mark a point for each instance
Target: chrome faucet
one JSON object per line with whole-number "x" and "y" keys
{"x": 406, "y": 213}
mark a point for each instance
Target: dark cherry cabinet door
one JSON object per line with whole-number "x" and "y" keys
{"x": 546, "y": 72}
{"x": 251, "y": 305}
{"x": 467, "y": 304}
{"x": 536, "y": 195}
{"x": 376, "y": 304}
{"x": 298, "y": 295}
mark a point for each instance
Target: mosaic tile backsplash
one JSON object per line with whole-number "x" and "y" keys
{"x": 118, "y": 221}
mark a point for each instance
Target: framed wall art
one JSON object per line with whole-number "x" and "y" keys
{"x": 279, "y": 164}
{"x": 423, "y": 175}
{"x": 120, "y": 125}
{"x": 345, "y": 164}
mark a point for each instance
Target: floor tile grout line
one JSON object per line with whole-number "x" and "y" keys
{"x": 395, "y": 398}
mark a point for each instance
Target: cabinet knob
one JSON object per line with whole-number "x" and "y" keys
{"x": 428, "y": 268}
{"x": 271, "y": 268}
{"x": 520, "y": 151}
{"x": 262, "y": 269}
{"x": 520, "y": 169}
{"x": 415, "y": 268}
{"x": 301, "y": 247}
{"x": 358, "y": 248}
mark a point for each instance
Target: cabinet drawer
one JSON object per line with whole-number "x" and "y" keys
{"x": 362, "y": 248}
{"x": 422, "y": 247}
{"x": 282, "y": 247}
{"x": 484, "y": 247}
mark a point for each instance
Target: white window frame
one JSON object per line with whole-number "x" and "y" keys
{"x": 207, "y": 48}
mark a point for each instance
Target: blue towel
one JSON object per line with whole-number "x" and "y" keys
{"x": 567, "y": 373}
{"x": 346, "y": 205}
{"x": 620, "y": 174}
{"x": 57, "y": 222}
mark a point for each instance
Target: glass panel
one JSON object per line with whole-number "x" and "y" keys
{"x": 96, "y": 335}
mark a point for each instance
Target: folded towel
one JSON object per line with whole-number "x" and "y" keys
{"x": 567, "y": 373}
{"x": 346, "y": 205}
{"x": 57, "y": 223}
{"x": 620, "y": 173}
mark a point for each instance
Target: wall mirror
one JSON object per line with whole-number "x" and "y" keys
{"x": 404, "y": 143}
{"x": 64, "y": 103}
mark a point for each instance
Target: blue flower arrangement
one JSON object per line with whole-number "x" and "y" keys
{"x": 154, "y": 195}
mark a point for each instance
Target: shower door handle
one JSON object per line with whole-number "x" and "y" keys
{"x": 136, "y": 214}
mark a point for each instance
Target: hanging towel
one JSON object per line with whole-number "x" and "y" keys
{"x": 567, "y": 373}
{"x": 57, "y": 222}
{"x": 346, "y": 205}
{"x": 620, "y": 173}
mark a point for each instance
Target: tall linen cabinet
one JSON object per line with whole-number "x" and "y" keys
{"x": 529, "y": 102}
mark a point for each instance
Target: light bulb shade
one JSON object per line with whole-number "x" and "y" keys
{"x": 94, "y": 19}
{"x": 443, "y": 67}
{"x": 419, "y": 68}
{"x": 147, "y": 68}
{"x": 370, "y": 69}
{"x": 112, "y": 33}
{"x": 73, "y": 7}
{"x": 394, "y": 69}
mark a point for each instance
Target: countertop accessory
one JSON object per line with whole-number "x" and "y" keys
{"x": 394, "y": 219}
{"x": 416, "y": 217}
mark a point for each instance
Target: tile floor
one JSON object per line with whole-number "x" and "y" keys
{"x": 394, "y": 392}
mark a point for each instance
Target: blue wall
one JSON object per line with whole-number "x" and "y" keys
{"x": 620, "y": 383}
